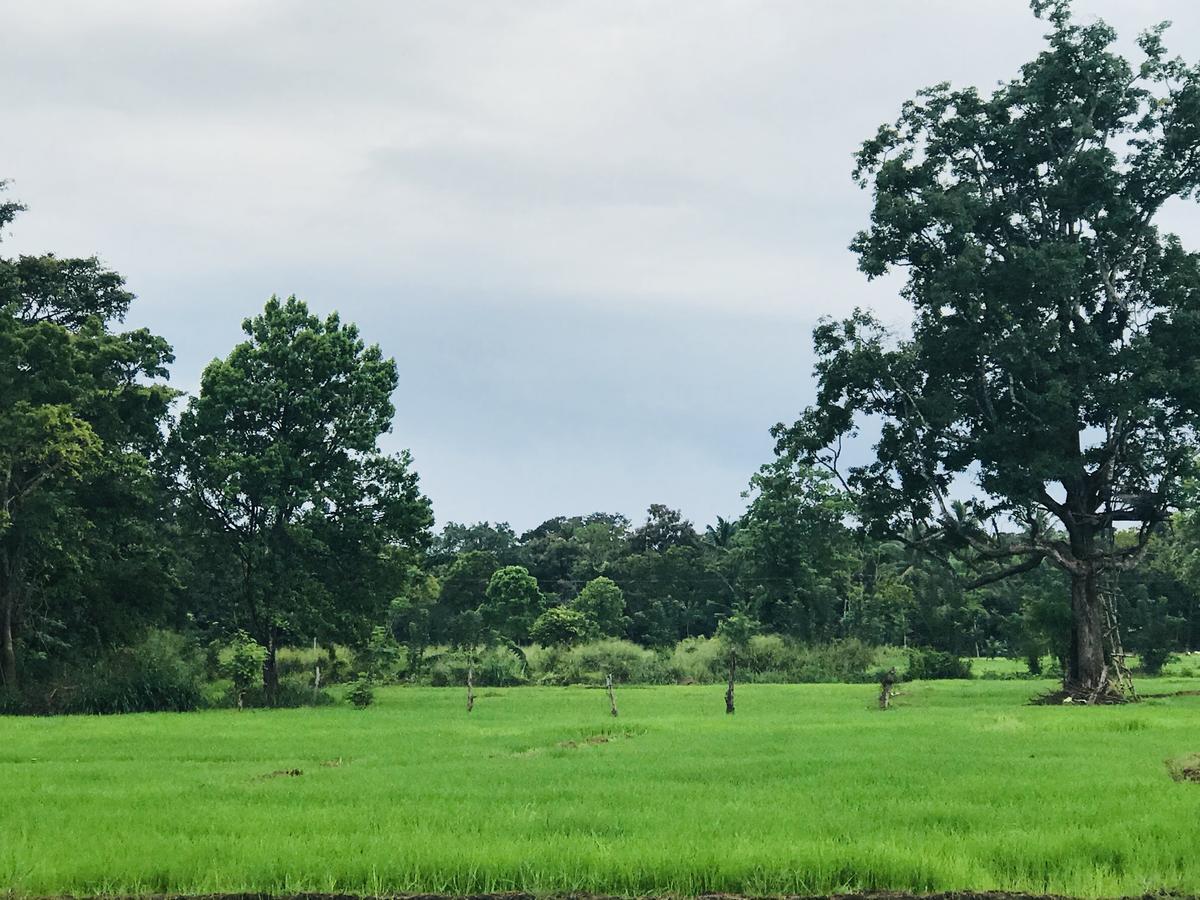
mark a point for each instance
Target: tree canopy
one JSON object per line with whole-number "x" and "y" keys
{"x": 1051, "y": 359}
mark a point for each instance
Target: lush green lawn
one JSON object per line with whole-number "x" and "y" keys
{"x": 807, "y": 789}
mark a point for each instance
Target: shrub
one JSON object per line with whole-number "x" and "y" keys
{"x": 1153, "y": 659}
{"x": 295, "y": 690}
{"x": 603, "y": 602}
{"x": 337, "y": 663}
{"x": 846, "y": 661}
{"x": 382, "y": 659}
{"x": 494, "y": 667}
{"x": 696, "y": 660}
{"x": 241, "y": 662}
{"x": 12, "y": 703}
{"x": 361, "y": 692}
{"x": 766, "y": 653}
{"x": 162, "y": 672}
{"x": 928, "y": 665}
{"x": 561, "y": 625}
{"x": 590, "y": 663}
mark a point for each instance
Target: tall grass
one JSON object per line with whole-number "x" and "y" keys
{"x": 807, "y": 789}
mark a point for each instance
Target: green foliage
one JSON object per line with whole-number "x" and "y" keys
{"x": 773, "y": 658}
{"x": 796, "y": 550}
{"x": 337, "y": 663}
{"x": 361, "y": 692}
{"x": 241, "y": 662}
{"x": 589, "y": 664}
{"x": 456, "y": 618}
{"x": 735, "y": 632}
{"x": 602, "y": 601}
{"x": 280, "y": 468}
{"x": 561, "y": 625}
{"x": 161, "y": 672}
{"x": 494, "y": 667}
{"x": 411, "y": 618}
{"x": 512, "y": 603}
{"x": 81, "y": 410}
{"x": 382, "y": 657}
{"x": 925, "y": 665}
{"x": 1050, "y": 357}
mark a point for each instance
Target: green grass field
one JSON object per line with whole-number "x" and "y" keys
{"x": 807, "y": 789}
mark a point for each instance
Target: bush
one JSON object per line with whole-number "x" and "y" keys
{"x": 766, "y": 653}
{"x": 561, "y": 625}
{"x": 1152, "y": 660}
{"x": 242, "y": 663}
{"x": 773, "y": 659}
{"x": 361, "y": 692}
{"x": 338, "y": 664}
{"x": 162, "y": 672}
{"x": 590, "y": 663}
{"x": 295, "y": 690}
{"x": 382, "y": 659}
{"x": 844, "y": 661}
{"x": 696, "y": 660}
{"x": 494, "y": 667}
{"x": 929, "y": 665}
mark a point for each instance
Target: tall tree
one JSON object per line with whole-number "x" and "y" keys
{"x": 278, "y": 457}
{"x": 603, "y": 602}
{"x": 796, "y": 553}
{"x": 1051, "y": 358}
{"x": 512, "y": 603}
{"x": 80, "y": 417}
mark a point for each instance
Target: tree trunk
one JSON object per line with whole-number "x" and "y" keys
{"x": 470, "y": 686}
{"x": 8, "y": 664}
{"x": 1087, "y": 667}
{"x": 271, "y": 672}
{"x": 729, "y": 689}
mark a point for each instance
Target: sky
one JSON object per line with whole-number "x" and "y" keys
{"x": 595, "y": 236}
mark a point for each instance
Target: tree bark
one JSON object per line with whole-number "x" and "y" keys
{"x": 271, "y": 671}
{"x": 729, "y": 689}
{"x": 1088, "y": 664}
{"x": 8, "y": 663}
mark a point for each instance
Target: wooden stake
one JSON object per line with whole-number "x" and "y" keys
{"x": 612, "y": 701}
{"x": 471, "y": 685}
{"x": 729, "y": 689}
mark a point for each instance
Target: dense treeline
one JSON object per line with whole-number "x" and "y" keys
{"x": 261, "y": 514}
{"x": 793, "y": 562}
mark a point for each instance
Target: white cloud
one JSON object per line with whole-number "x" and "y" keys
{"x": 457, "y": 176}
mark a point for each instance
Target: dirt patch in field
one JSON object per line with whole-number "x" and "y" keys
{"x": 591, "y": 739}
{"x": 603, "y": 737}
{"x": 1186, "y": 768}
{"x": 282, "y": 773}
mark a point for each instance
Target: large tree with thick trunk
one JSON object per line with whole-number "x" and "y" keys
{"x": 1053, "y": 360}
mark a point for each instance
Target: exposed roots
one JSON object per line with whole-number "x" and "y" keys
{"x": 1076, "y": 695}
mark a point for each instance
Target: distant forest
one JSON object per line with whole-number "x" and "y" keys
{"x": 263, "y": 508}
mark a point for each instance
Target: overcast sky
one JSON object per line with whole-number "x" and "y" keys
{"x": 594, "y": 235}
